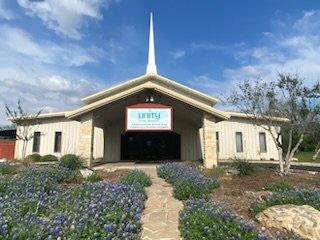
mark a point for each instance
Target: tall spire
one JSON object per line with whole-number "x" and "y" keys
{"x": 151, "y": 67}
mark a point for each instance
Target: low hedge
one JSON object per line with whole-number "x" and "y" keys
{"x": 187, "y": 181}
{"x": 35, "y": 157}
{"x": 71, "y": 161}
{"x": 296, "y": 196}
{"x": 200, "y": 219}
{"x": 49, "y": 158}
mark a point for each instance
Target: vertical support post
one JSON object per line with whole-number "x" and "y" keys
{"x": 86, "y": 139}
{"x": 210, "y": 158}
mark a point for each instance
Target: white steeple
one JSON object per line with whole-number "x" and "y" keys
{"x": 151, "y": 67}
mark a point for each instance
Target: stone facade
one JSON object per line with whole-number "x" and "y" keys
{"x": 210, "y": 158}
{"x": 86, "y": 139}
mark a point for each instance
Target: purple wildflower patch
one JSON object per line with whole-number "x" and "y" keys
{"x": 32, "y": 206}
{"x": 187, "y": 181}
{"x": 201, "y": 219}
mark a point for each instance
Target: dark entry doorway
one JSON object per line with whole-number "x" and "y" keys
{"x": 150, "y": 146}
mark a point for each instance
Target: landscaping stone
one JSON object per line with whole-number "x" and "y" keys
{"x": 86, "y": 172}
{"x": 259, "y": 196}
{"x": 161, "y": 216}
{"x": 301, "y": 220}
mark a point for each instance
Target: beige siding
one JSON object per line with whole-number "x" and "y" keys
{"x": 70, "y": 137}
{"x": 107, "y": 139}
{"x": 250, "y": 135}
{"x": 189, "y": 140}
{"x": 98, "y": 143}
{"x": 112, "y": 139}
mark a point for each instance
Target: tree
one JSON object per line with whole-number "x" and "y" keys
{"x": 316, "y": 135}
{"x": 285, "y": 103}
{"x": 25, "y": 124}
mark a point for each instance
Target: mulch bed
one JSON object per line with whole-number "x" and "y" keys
{"x": 111, "y": 176}
{"x": 236, "y": 192}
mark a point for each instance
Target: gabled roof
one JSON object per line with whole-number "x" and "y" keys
{"x": 157, "y": 83}
{"x": 210, "y": 100}
{"x": 251, "y": 116}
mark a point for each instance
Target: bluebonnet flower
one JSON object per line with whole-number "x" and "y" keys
{"x": 33, "y": 206}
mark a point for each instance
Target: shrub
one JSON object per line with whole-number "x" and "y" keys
{"x": 71, "y": 161}
{"x": 187, "y": 181}
{"x": 94, "y": 177}
{"x": 278, "y": 185}
{"x": 243, "y": 167}
{"x": 35, "y": 157}
{"x": 216, "y": 172}
{"x": 7, "y": 169}
{"x": 296, "y": 196}
{"x": 200, "y": 219}
{"x": 136, "y": 177}
{"x": 49, "y": 158}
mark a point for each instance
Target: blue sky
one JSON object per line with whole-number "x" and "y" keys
{"x": 53, "y": 52}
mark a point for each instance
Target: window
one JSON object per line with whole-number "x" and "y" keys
{"x": 217, "y": 141}
{"x": 36, "y": 142}
{"x": 262, "y": 142}
{"x": 57, "y": 142}
{"x": 239, "y": 143}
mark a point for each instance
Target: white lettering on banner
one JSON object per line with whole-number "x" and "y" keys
{"x": 149, "y": 119}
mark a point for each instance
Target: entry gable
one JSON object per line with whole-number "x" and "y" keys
{"x": 157, "y": 79}
{"x": 147, "y": 84}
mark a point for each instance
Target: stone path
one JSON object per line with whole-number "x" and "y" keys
{"x": 161, "y": 216}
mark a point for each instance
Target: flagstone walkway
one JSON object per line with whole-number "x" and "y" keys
{"x": 161, "y": 215}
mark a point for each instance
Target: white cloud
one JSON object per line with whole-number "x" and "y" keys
{"x": 207, "y": 84}
{"x": 65, "y": 17}
{"x": 42, "y": 74}
{"x": 309, "y": 23}
{"x": 178, "y": 54}
{"x": 48, "y": 92}
{"x": 296, "y": 52}
{"x": 6, "y": 13}
{"x": 19, "y": 42}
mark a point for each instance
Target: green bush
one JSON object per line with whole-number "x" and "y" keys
{"x": 201, "y": 219}
{"x": 35, "y": 157}
{"x": 7, "y": 169}
{"x": 296, "y": 196}
{"x": 136, "y": 177}
{"x": 243, "y": 167}
{"x": 49, "y": 158}
{"x": 278, "y": 185}
{"x": 71, "y": 161}
{"x": 216, "y": 172}
{"x": 94, "y": 177}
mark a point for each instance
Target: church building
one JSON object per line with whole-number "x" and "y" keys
{"x": 150, "y": 118}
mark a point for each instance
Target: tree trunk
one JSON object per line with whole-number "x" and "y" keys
{"x": 289, "y": 157}
{"x": 281, "y": 167}
{"x": 317, "y": 152}
{"x": 24, "y": 147}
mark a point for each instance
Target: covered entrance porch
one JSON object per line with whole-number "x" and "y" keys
{"x": 104, "y": 139}
{"x": 150, "y": 146}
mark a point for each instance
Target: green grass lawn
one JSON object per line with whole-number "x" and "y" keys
{"x": 306, "y": 157}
